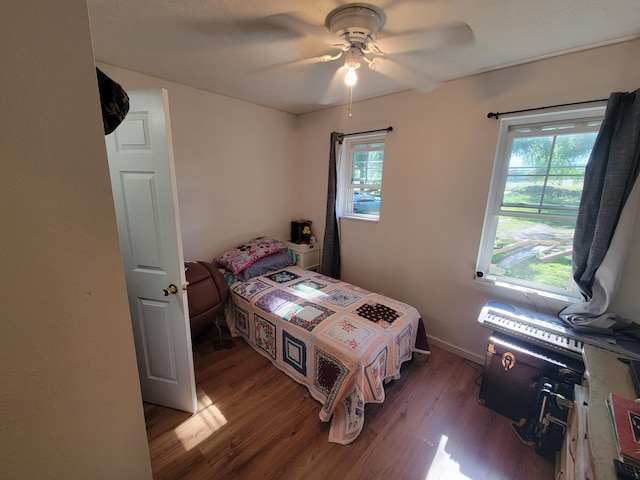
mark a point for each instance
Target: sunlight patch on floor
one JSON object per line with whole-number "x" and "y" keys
{"x": 201, "y": 425}
{"x": 443, "y": 467}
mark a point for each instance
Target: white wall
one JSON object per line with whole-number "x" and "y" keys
{"x": 70, "y": 404}
{"x": 236, "y": 166}
{"x": 437, "y": 172}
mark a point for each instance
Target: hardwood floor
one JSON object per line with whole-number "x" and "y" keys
{"x": 254, "y": 422}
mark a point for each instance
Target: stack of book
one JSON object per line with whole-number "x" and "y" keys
{"x": 625, "y": 419}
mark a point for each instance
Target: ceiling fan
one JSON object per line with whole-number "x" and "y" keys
{"x": 353, "y": 29}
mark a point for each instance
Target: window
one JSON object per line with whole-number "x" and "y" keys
{"x": 360, "y": 176}
{"x": 534, "y": 197}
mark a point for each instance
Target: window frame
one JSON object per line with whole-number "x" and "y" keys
{"x": 497, "y": 187}
{"x": 345, "y": 181}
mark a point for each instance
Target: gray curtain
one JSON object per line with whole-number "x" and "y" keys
{"x": 331, "y": 245}
{"x": 609, "y": 179}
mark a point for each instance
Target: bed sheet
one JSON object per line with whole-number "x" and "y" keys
{"x": 342, "y": 342}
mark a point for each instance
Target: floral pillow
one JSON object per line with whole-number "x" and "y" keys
{"x": 242, "y": 256}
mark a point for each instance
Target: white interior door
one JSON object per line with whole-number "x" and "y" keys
{"x": 144, "y": 191}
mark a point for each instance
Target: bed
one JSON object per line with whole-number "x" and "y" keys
{"x": 342, "y": 342}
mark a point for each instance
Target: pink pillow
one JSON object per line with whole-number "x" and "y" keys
{"x": 242, "y": 256}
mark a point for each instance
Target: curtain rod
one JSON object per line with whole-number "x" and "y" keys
{"x": 497, "y": 114}
{"x": 388, "y": 129}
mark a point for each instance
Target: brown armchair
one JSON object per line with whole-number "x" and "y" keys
{"x": 207, "y": 295}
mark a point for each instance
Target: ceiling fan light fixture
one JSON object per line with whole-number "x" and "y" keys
{"x": 354, "y": 58}
{"x": 351, "y": 78}
{"x": 353, "y": 61}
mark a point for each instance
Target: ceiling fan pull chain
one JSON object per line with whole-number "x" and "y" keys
{"x": 350, "y": 99}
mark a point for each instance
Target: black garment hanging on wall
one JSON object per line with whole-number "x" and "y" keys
{"x": 113, "y": 100}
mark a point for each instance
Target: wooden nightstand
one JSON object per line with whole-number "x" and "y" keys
{"x": 309, "y": 255}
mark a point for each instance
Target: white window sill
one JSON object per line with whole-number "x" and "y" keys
{"x": 526, "y": 291}
{"x": 358, "y": 217}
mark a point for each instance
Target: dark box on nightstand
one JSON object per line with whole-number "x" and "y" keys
{"x": 298, "y": 232}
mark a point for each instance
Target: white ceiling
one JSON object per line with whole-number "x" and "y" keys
{"x": 227, "y": 47}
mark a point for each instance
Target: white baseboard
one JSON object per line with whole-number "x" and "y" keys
{"x": 473, "y": 357}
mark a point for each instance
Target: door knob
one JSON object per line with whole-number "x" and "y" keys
{"x": 171, "y": 289}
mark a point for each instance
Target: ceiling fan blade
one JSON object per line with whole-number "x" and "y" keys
{"x": 450, "y": 35}
{"x": 293, "y": 23}
{"x": 301, "y": 62}
{"x": 404, "y": 75}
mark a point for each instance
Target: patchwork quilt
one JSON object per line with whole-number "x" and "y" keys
{"x": 342, "y": 342}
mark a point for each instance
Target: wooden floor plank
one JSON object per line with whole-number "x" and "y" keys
{"x": 255, "y": 422}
